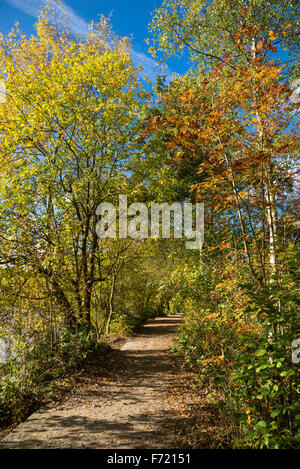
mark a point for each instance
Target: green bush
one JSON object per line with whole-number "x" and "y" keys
{"x": 244, "y": 353}
{"x": 25, "y": 382}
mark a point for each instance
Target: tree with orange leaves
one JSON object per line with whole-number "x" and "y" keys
{"x": 231, "y": 131}
{"x": 238, "y": 124}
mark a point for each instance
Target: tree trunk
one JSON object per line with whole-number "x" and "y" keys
{"x": 110, "y": 302}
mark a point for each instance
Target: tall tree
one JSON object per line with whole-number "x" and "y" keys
{"x": 208, "y": 29}
{"x": 67, "y": 134}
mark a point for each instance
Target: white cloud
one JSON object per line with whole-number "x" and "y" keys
{"x": 32, "y": 7}
{"x": 150, "y": 67}
{"x": 79, "y": 25}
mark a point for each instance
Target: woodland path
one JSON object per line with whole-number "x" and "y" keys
{"x": 128, "y": 409}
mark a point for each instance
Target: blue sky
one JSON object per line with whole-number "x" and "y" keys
{"x": 129, "y": 18}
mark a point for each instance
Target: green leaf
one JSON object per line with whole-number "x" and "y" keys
{"x": 261, "y": 426}
{"x": 275, "y": 413}
{"x": 260, "y": 352}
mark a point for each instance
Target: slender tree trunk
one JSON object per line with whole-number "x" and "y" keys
{"x": 271, "y": 215}
{"x": 110, "y": 302}
{"x": 271, "y": 218}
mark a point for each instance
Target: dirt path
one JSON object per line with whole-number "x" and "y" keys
{"x": 127, "y": 410}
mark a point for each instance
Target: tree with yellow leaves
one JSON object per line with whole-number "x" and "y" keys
{"x": 67, "y": 133}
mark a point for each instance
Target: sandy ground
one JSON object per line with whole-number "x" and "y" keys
{"x": 127, "y": 410}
